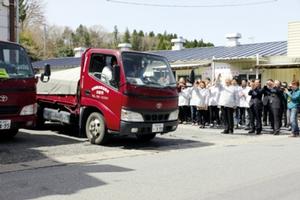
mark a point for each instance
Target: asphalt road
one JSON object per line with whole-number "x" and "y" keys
{"x": 188, "y": 164}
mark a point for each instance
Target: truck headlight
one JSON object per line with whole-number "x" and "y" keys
{"x": 173, "y": 115}
{"x": 131, "y": 116}
{"x": 29, "y": 109}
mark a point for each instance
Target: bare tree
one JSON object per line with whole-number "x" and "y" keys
{"x": 32, "y": 13}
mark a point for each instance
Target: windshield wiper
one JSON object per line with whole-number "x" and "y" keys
{"x": 148, "y": 81}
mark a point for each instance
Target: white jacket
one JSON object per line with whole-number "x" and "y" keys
{"x": 184, "y": 97}
{"x": 214, "y": 95}
{"x": 228, "y": 96}
{"x": 106, "y": 74}
{"x": 244, "y": 97}
{"x": 237, "y": 92}
{"x": 199, "y": 97}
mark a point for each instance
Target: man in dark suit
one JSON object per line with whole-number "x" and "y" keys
{"x": 267, "y": 115}
{"x": 276, "y": 100}
{"x": 256, "y": 106}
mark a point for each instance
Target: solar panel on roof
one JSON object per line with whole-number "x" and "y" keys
{"x": 201, "y": 53}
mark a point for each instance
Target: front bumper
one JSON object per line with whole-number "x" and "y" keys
{"x": 18, "y": 122}
{"x": 143, "y": 128}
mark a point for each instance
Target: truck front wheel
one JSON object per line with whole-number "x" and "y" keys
{"x": 95, "y": 128}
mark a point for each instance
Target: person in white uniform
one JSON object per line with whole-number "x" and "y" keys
{"x": 213, "y": 101}
{"x": 228, "y": 102}
{"x": 244, "y": 104}
{"x": 183, "y": 100}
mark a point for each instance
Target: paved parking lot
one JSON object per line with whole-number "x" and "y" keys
{"x": 58, "y": 146}
{"x": 187, "y": 164}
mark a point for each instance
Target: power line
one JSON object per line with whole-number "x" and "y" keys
{"x": 191, "y": 6}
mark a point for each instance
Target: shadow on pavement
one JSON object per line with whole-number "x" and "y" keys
{"x": 36, "y": 145}
{"x": 158, "y": 143}
{"x": 44, "y": 182}
{"x": 60, "y": 129}
{"x": 22, "y": 148}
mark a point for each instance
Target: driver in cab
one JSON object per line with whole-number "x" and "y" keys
{"x": 106, "y": 75}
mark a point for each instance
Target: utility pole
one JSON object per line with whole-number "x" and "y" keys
{"x": 12, "y": 21}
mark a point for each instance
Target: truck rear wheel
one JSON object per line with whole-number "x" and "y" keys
{"x": 95, "y": 128}
{"x": 146, "y": 138}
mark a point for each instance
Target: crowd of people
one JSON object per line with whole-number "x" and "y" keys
{"x": 247, "y": 104}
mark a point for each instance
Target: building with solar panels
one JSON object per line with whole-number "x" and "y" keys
{"x": 277, "y": 60}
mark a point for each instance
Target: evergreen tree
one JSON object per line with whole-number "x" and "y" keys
{"x": 141, "y": 33}
{"x": 151, "y": 34}
{"x": 23, "y": 9}
{"x": 82, "y": 37}
{"x": 126, "y": 38}
{"x": 135, "y": 40}
{"x": 161, "y": 44}
{"x": 116, "y": 40}
{"x": 195, "y": 43}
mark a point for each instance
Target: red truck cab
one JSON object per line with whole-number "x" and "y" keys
{"x": 17, "y": 90}
{"x": 117, "y": 92}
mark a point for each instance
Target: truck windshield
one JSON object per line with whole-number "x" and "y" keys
{"x": 14, "y": 62}
{"x": 147, "y": 70}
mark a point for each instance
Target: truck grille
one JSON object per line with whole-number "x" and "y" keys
{"x": 9, "y": 110}
{"x": 156, "y": 117}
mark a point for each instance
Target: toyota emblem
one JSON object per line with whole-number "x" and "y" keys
{"x": 158, "y": 105}
{"x": 3, "y": 98}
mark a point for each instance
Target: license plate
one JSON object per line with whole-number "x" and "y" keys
{"x": 157, "y": 128}
{"x": 5, "y": 124}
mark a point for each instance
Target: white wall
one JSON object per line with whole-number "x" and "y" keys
{"x": 4, "y": 28}
{"x": 294, "y": 39}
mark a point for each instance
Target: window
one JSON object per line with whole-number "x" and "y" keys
{"x": 147, "y": 70}
{"x": 14, "y": 62}
{"x": 101, "y": 67}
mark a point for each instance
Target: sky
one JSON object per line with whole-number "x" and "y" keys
{"x": 257, "y": 23}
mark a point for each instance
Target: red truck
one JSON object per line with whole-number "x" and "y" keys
{"x": 113, "y": 92}
{"x": 17, "y": 90}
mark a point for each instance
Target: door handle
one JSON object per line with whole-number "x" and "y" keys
{"x": 87, "y": 92}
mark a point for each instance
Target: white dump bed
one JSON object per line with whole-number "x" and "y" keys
{"x": 62, "y": 82}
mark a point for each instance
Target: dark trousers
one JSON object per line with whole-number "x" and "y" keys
{"x": 202, "y": 116}
{"x": 245, "y": 116}
{"x": 267, "y": 114}
{"x": 242, "y": 116}
{"x": 228, "y": 118}
{"x": 255, "y": 118}
{"x": 285, "y": 117}
{"x": 277, "y": 119}
{"x": 214, "y": 114}
{"x": 236, "y": 114}
{"x": 183, "y": 113}
{"x": 194, "y": 114}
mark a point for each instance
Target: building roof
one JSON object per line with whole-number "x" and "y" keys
{"x": 66, "y": 62}
{"x": 194, "y": 54}
{"x": 223, "y": 52}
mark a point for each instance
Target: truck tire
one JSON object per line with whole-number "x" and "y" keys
{"x": 8, "y": 134}
{"x": 40, "y": 121}
{"x": 95, "y": 129}
{"x": 146, "y": 138}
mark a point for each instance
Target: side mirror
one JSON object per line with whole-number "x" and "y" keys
{"x": 47, "y": 73}
{"x": 36, "y": 71}
{"x": 116, "y": 75}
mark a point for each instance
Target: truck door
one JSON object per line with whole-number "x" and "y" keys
{"x": 100, "y": 91}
